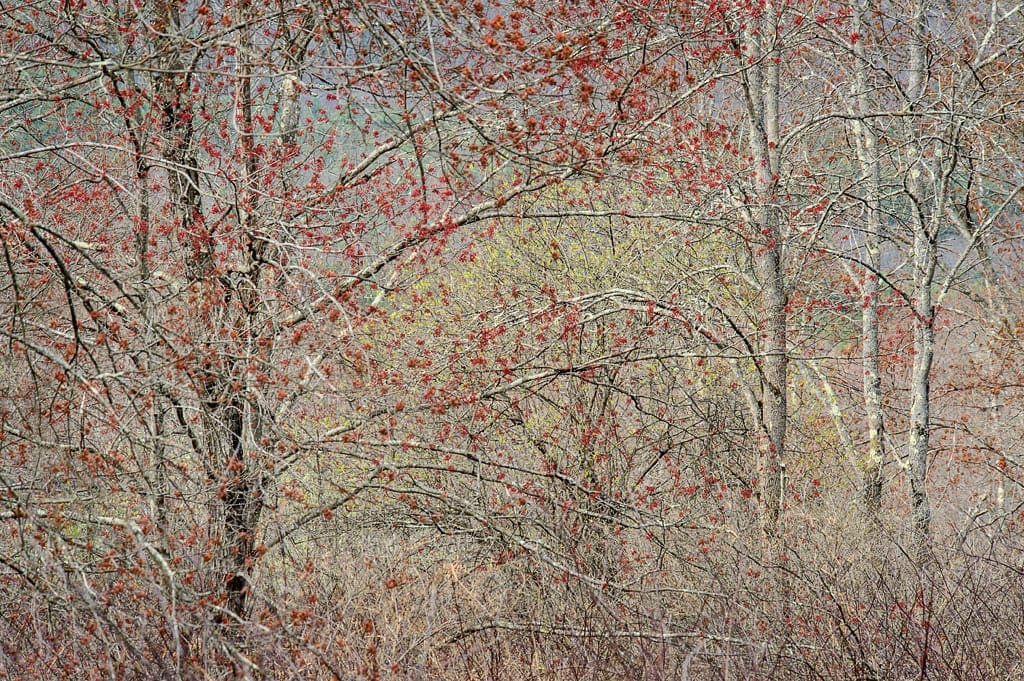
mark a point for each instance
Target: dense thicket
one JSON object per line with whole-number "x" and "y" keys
{"x": 510, "y": 339}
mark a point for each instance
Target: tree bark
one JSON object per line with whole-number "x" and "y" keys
{"x": 923, "y": 262}
{"x": 761, "y": 90}
{"x": 867, "y": 153}
{"x": 236, "y": 510}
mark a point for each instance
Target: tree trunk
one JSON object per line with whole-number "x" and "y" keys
{"x": 761, "y": 90}
{"x": 236, "y": 510}
{"x": 925, "y": 214}
{"x": 867, "y": 153}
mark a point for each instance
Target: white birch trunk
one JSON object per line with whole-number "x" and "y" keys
{"x": 867, "y": 152}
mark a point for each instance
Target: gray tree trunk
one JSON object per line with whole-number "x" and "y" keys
{"x": 923, "y": 261}
{"x": 761, "y": 90}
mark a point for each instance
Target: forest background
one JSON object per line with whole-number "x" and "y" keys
{"x": 511, "y": 339}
